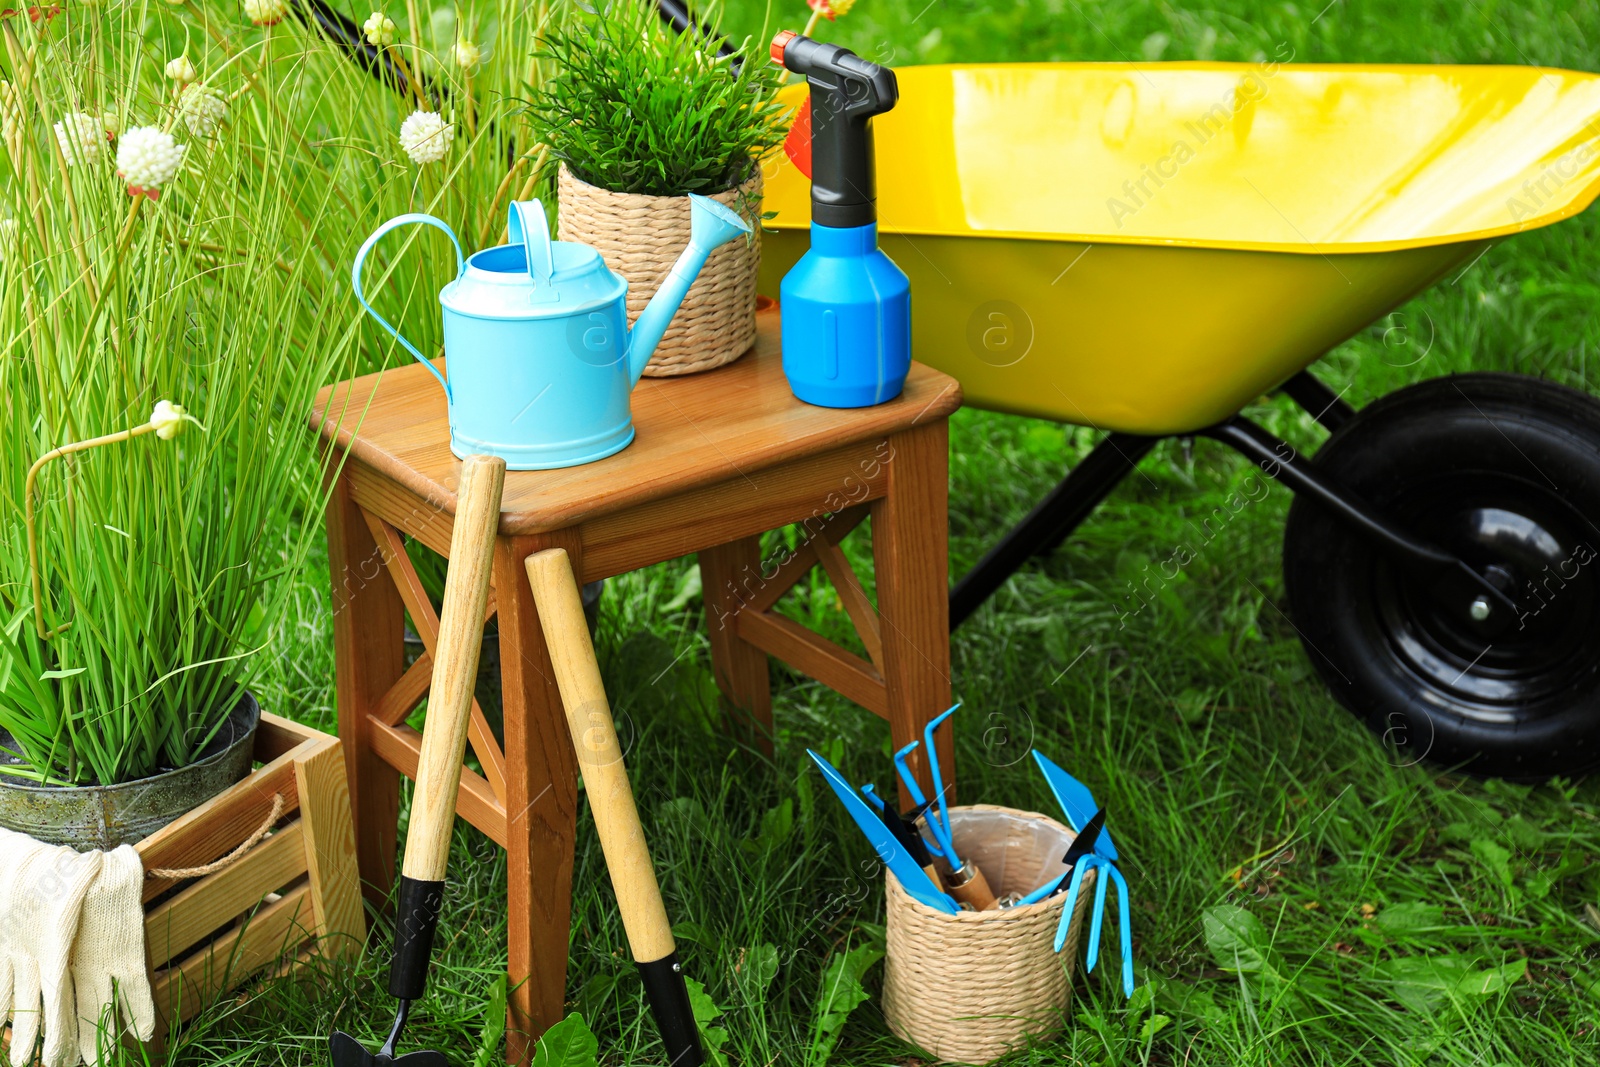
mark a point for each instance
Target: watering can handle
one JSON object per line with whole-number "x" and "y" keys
{"x": 361, "y": 258}
{"x": 527, "y": 226}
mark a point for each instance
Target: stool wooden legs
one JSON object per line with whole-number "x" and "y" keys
{"x": 907, "y": 637}
{"x": 911, "y": 557}
{"x": 730, "y": 575}
{"x": 905, "y": 677}
{"x": 541, "y": 777}
{"x": 369, "y": 653}
{"x": 541, "y": 804}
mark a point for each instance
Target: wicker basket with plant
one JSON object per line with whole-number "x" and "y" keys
{"x": 639, "y": 117}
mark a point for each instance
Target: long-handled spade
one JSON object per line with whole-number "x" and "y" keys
{"x": 605, "y": 781}
{"x": 444, "y": 743}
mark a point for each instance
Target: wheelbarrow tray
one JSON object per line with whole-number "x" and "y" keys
{"x": 1148, "y": 247}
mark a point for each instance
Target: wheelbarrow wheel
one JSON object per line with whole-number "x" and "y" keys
{"x": 1504, "y": 471}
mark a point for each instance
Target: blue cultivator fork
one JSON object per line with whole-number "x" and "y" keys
{"x": 938, "y": 815}
{"x": 919, "y": 801}
{"x": 1078, "y": 804}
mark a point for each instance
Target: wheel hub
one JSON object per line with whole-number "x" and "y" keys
{"x": 1531, "y": 545}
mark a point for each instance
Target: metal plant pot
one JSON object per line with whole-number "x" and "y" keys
{"x": 97, "y": 816}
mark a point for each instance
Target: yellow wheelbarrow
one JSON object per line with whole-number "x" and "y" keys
{"x": 1145, "y": 248}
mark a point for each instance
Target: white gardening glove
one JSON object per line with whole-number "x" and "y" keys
{"x": 108, "y": 959}
{"x": 41, "y": 898}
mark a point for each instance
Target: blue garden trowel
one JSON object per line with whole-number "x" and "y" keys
{"x": 1078, "y": 805}
{"x": 894, "y": 856}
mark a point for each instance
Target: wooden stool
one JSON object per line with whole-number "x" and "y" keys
{"x": 720, "y": 458}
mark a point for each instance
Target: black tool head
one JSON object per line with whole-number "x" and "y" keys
{"x": 905, "y": 834}
{"x": 1083, "y": 844}
{"x": 348, "y": 1052}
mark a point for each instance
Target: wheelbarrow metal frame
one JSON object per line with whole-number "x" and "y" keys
{"x": 1088, "y": 484}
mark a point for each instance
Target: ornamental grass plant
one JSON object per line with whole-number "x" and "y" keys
{"x": 182, "y": 193}
{"x": 634, "y": 107}
{"x": 148, "y": 258}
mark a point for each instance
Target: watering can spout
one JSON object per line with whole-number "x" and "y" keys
{"x": 711, "y": 224}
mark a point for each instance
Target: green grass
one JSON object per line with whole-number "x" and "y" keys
{"x": 1232, "y": 780}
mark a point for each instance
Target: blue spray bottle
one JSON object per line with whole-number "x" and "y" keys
{"x": 846, "y": 306}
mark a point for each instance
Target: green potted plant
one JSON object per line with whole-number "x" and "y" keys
{"x": 164, "y": 330}
{"x": 639, "y": 116}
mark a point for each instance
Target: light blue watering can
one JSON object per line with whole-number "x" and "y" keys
{"x": 536, "y": 338}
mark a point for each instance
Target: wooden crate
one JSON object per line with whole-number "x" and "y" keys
{"x": 294, "y": 892}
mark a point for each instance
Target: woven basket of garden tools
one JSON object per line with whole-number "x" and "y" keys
{"x": 640, "y": 237}
{"x": 973, "y": 986}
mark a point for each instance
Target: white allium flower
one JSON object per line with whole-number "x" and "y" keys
{"x": 203, "y": 109}
{"x": 379, "y": 29}
{"x": 82, "y": 137}
{"x": 467, "y": 55}
{"x": 147, "y": 158}
{"x": 265, "y": 12}
{"x": 168, "y": 419}
{"x": 425, "y": 136}
{"x": 181, "y": 70}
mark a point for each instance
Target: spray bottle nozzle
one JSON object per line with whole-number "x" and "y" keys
{"x": 779, "y": 43}
{"x": 846, "y": 91}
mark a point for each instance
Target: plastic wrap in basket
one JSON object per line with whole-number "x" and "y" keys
{"x": 640, "y": 237}
{"x": 972, "y": 986}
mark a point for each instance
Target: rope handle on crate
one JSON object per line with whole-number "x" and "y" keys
{"x": 231, "y": 858}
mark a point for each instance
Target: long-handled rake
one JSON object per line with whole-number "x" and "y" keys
{"x": 444, "y": 744}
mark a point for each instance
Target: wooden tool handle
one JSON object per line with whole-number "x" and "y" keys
{"x": 973, "y": 889}
{"x": 455, "y": 667}
{"x": 594, "y": 737}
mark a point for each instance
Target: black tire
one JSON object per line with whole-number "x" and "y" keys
{"x": 1504, "y": 471}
